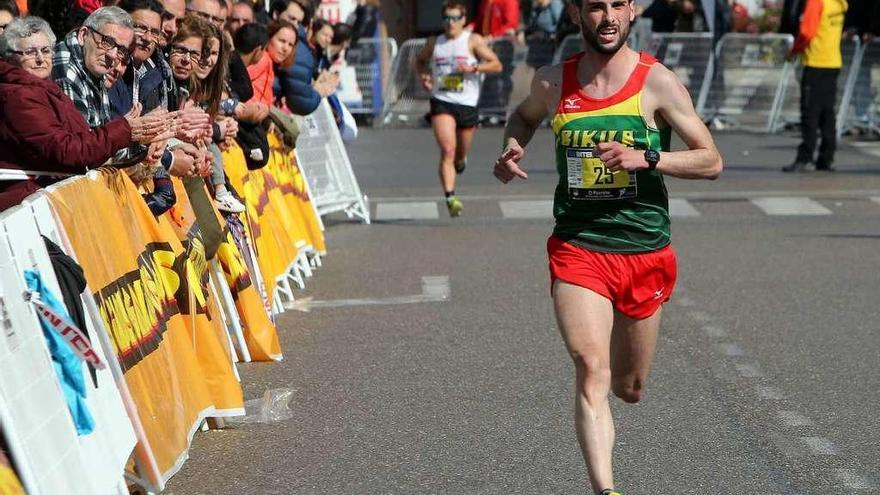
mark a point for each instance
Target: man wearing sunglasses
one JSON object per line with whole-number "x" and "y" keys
{"x": 86, "y": 55}
{"x": 450, "y": 67}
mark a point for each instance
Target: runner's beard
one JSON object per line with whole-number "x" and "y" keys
{"x": 592, "y": 38}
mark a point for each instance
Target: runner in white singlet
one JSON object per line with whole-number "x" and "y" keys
{"x": 450, "y": 66}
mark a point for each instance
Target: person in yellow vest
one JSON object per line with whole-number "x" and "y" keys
{"x": 819, "y": 43}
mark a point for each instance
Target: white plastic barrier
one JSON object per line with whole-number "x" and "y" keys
{"x": 746, "y": 85}
{"x": 406, "y": 101}
{"x": 789, "y": 111}
{"x": 860, "y": 105}
{"x": 50, "y": 457}
{"x": 324, "y": 162}
{"x": 371, "y": 60}
{"x": 495, "y": 89}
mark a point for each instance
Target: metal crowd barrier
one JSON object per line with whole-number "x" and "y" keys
{"x": 745, "y": 91}
{"x": 788, "y": 113}
{"x": 496, "y": 89}
{"x": 371, "y": 59}
{"x": 405, "y": 101}
{"x": 324, "y": 162}
{"x": 860, "y": 105}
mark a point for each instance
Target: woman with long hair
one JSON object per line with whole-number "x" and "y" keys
{"x": 207, "y": 90}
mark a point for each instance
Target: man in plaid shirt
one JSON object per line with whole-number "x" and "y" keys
{"x": 86, "y": 55}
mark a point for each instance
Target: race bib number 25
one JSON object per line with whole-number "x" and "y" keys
{"x": 589, "y": 179}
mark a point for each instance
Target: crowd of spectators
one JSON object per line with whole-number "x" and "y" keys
{"x": 158, "y": 88}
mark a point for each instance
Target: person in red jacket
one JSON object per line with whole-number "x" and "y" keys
{"x": 496, "y": 18}
{"x": 42, "y": 134}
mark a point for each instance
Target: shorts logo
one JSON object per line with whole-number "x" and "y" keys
{"x": 572, "y": 103}
{"x": 659, "y": 293}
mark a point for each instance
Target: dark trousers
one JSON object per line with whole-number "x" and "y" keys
{"x": 818, "y": 94}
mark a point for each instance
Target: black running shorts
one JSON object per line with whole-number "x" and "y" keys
{"x": 465, "y": 116}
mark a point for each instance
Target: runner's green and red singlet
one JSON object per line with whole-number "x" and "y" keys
{"x": 621, "y": 212}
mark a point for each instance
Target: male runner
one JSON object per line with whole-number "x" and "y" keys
{"x": 456, "y": 59}
{"x": 611, "y": 264}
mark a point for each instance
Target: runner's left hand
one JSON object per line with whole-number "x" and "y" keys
{"x": 618, "y": 157}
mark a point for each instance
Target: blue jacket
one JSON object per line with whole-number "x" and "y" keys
{"x": 295, "y": 82}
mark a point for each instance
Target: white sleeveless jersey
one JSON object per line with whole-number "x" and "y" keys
{"x": 450, "y": 85}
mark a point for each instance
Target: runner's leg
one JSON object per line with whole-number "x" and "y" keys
{"x": 444, "y": 131}
{"x": 463, "y": 138}
{"x": 633, "y": 343}
{"x": 585, "y": 320}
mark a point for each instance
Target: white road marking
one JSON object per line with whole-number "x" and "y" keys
{"x": 793, "y": 419}
{"x": 852, "y": 479}
{"x": 714, "y": 331}
{"x": 700, "y": 316}
{"x": 749, "y": 371}
{"x": 876, "y": 199}
{"x": 732, "y": 350}
{"x": 790, "y": 206}
{"x": 679, "y": 207}
{"x": 766, "y": 392}
{"x": 414, "y": 210}
{"x": 820, "y": 446}
{"x": 527, "y": 209}
{"x": 434, "y": 289}
{"x": 683, "y": 301}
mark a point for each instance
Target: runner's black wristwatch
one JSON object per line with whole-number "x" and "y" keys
{"x": 652, "y": 157}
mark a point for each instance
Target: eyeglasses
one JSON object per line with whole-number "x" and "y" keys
{"x": 168, "y": 16}
{"x": 142, "y": 30}
{"x": 452, "y": 18}
{"x": 182, "y": 51}
{"x": 207, "y": 17}
{"x": 107, "y": 43}
{"x": 45, "y": 51}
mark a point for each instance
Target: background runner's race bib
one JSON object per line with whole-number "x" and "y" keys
{"x": 589, "y": 179}
{"x": 453, "y": 83}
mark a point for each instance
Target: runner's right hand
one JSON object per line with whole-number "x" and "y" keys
{"x": 427, "y": 82}
{"x": 507, "y": 166}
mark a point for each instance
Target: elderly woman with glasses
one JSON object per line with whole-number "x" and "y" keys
{"x": 42, "y": 135}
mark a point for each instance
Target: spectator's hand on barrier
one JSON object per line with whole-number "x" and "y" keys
{"x": 620, "y": 158}
{"x": 193, "y": 123}
{"x": 155, "y": 151}
{"x": 205, "y": 161}
{"x": 252, "y": 112}
{"x": 231, "y": 127}
{"x": 184, "y": 163}
{"x": 507, "y": 165}
{"x": 146, "y": 128}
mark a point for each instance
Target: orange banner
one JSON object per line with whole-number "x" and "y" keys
{"x": 146, "y": 286}
{"x": 259, "y": 331}
{"x": 281, "y": 219}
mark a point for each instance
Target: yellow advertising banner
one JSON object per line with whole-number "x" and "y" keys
{"x": 259, "y": 331}
{"x": 133, "y": 264}
{"x": 199, "y": 309}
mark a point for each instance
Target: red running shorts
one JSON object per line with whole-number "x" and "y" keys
{"x": 637, "y": 284}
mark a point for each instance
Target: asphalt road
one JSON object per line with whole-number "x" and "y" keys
{"x": 765, "y": 380}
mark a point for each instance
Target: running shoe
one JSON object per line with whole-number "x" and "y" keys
{"x": 453, "y": 204}
{"x": 228, "y": 203}
{"x": 460, "y": 166}
{"x": 609, "y": 491}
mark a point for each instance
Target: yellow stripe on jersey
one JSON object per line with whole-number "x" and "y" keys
{"x": 630, "y": 106}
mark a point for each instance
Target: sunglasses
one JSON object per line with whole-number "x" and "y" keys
{"x": 452, "y": 18}
{"x": 107, "y": 43}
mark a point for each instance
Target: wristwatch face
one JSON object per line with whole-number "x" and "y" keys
{"x": 652, "y": 156}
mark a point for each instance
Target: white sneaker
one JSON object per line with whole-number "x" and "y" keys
{"x": 228, "y": 203}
